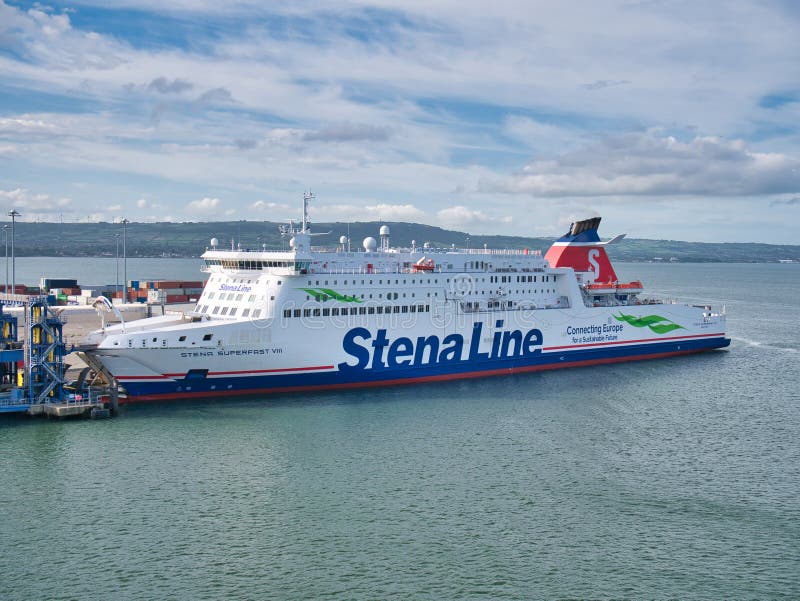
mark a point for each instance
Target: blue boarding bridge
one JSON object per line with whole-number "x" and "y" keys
{"x": 32, "y": 372}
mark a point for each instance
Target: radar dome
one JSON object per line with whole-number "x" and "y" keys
{"x": 343, "y": 240}
{"x": 292, "y": 242}
{"x": 214, "y": 242}
{"x": 370, "y": 244}
{"x": 384, "y": 230}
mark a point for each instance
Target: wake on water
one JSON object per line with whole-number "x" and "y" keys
{"x": 765, "y": 345}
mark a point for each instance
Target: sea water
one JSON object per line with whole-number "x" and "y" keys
{"x": 665, "y": 479}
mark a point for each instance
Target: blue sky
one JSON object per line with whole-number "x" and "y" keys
{"x": 671, "y": 119}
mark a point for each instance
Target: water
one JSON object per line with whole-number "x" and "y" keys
{"x": 676, "y": 478}
{"x": 99, "y": 271}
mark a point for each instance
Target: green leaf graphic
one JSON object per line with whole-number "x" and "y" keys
{"x": 654, "y": 322}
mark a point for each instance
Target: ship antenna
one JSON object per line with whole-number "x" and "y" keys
{"x": 306, "y": 197}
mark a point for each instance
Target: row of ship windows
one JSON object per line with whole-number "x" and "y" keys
{"x": 230, "y": 311}
{"x": 520, "y": 278}
{"x": 372, "y": 310}
{"x": 492, "y": 279}
{"x": 235, "y": 297}
{"x": 248, "y": 264}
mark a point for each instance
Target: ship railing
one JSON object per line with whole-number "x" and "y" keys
{"x": 498, "y": 251}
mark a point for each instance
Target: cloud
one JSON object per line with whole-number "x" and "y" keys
{"x": 463, "y": 216}
{"x": 264, "y": 206}
{"x": 27, "y": 202}
{"x": 646, "y": 164}
{"x": 203, "y": 206}
{"x": 165, "y": 86}
{"x": 373, "y": 212}
{"x": 348, "y": 132}
{"x": 604, "y": 83}
{"x": 786, "y": 202}
{"x": 215, "y": 96}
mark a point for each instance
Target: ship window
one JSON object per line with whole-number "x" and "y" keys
{"x": 287, "y": 312}
{"x": 362, "y": 310}
{"x": 397, "y": 308}
{"x": 246, "y": 312}
{"x": 326, "y": 312}
{"x": 316, "y": 312}
{"x": 210, "y": 295}
{"x": 306, "y": 312}
{"x": 182, "y": 339}
{"x": 224, "y": 311}
{"x": 370, "y": 310}
{"x": 251, "y": 298}
{"x": 380, "y": 310}
{"x": 155, "y": 339}
{"x": 420, "y": 308}
{"x": 233, "y": 311}
{"x": 413, "y": 308}
{"x": 335, "y": 311}
{"x": 405, "y": 309}
{"x": 215, "y": 311}
{"x": 296, "y": 313}
{"x": 256, "y": 313}
{"x": 208, "y": 337}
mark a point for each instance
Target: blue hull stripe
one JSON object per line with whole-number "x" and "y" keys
{"x": 263, "y": 384}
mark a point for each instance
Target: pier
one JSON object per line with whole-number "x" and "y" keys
{"x": 33, "y": 372}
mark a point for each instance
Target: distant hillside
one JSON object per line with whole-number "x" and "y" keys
{"x": 190, "y": 239}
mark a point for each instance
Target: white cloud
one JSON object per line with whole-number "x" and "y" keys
{"x": 462, "y": 216}
{"x": 203, "y": 206}
{"x": 645, "y": 164}
{"x": 371, "y": 212}
{"x": 264, "y": 206}
{"x": 25, "y": 201}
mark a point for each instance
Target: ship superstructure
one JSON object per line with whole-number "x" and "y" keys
{"x": 308, "y": 318}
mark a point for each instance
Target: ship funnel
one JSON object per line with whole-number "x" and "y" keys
{"x": 582, "y": 250}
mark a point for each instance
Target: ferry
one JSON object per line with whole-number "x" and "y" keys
{"x": 310, "y": 318}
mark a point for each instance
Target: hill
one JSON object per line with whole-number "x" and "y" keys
{"x": 191, "y": 238}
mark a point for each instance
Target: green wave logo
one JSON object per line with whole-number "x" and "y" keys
{"x": 658, "y": 324}
{"x": 323, "y": 294}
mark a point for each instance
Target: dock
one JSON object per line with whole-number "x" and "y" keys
{"x": 33, "y": 372}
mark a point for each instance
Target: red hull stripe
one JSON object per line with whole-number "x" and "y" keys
{"x": 556, "y": 348}
{"x": 396, "y": 381}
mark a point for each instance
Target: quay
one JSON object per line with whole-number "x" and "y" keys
{"x": 33, "y": 372}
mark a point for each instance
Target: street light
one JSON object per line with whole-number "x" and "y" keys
{"x": 5, "y": 232}
{"x": 125, "y": 223}
{"x": 116, "y": 285}
{"x": 13, "y": 213}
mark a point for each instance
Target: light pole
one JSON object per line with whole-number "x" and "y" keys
{"x": 13, "y": 213}
{"x": 125, "y": 223}
{"x": 5, "y": 232}
{"x": 116, "y": 284}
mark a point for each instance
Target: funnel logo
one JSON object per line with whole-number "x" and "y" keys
{"x": 594, "y": 266}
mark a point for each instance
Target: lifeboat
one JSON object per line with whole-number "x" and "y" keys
{"x": 630, "y": 288}
{"x": 423, "y": 265}
{"x": 602, "y": 288}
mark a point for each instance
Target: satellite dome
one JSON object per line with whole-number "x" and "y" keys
{"x": 370, "y": 244}
{"x": 292, "y": 242}
{"x": 214, "y": 242}
{"x": 343, "y": 240}
{"x": 384, "y": 230}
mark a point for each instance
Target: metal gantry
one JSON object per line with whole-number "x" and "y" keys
{"x": 44, "y": 353}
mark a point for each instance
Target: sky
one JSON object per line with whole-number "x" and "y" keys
{"x": 671, "y": 119}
